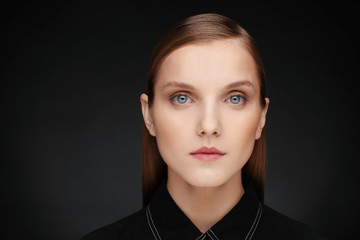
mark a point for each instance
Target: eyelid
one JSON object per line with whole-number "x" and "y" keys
{"x": 186, "y": 93}
{"x": 238, "y": 93}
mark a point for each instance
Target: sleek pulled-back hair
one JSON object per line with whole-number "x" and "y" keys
{"x": 202, "y": 28}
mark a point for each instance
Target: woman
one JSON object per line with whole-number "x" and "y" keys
{"x": 203, "y": 155}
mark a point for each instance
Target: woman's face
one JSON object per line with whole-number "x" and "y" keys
{"x": 206, "y": 95}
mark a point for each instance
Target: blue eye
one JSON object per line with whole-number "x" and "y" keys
{"x": 236, "y": 99}
{"x": 181, "y": 99}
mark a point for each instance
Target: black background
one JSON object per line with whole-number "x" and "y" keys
{"x": 72, "y": 73}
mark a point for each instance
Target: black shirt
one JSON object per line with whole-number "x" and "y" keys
{"x": 163, "y": 219}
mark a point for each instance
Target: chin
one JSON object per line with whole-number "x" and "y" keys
{"x": 207, "y": 180}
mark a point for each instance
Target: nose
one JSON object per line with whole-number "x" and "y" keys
{"x": 209, "y": 122}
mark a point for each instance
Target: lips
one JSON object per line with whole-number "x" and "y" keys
{"x": 207, "y": 154}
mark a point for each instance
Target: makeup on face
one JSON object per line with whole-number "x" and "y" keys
{"x": 206, "y": 111}
{"x": 207, "y": 154}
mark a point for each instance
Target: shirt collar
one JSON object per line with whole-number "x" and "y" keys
{"x": 167, "y": 221}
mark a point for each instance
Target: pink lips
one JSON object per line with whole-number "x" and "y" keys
{"x": 207, "y": 154}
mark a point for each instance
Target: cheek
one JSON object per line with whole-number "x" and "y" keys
{"x": 171, "y": 128}
{"x": 240, "y": 131}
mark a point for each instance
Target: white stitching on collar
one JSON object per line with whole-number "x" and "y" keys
{"x": 213, "y": 234}
{"x": 201, "y": 236}
{"x": 151, "y": 223}
{"x": 255, "y": 223}
{"x": 209, "y": 235}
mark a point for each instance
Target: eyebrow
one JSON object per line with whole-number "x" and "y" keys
{"x": 191, "y": 87}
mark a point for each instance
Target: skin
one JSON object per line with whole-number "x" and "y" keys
{"x": 211, "y": 113}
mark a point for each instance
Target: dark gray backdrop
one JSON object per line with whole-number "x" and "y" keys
{"x": 72, "y": 75}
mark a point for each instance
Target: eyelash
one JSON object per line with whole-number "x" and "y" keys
{"x": 243, "y": 99}
{"x": 173, "y": 98}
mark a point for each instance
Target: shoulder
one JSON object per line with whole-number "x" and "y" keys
{"x": 279, "y": 226}
{"x": 127, "y": 228}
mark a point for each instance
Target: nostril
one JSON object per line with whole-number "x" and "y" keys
{"x": 215, "y": 133}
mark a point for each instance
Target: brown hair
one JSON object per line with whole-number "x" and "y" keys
{"x": 202, "y": 28}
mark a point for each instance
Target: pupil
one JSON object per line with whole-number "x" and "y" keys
{"x": 182, "y": 98}
{"x": 235, "y": 99}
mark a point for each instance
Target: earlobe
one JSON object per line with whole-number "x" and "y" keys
{"x": 262, "y": 119}
{"x": 147, "y": 114}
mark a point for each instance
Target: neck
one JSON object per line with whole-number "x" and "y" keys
{"x": 205, "y": 206}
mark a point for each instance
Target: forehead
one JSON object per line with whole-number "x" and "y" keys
{"x": 217, "y": 63}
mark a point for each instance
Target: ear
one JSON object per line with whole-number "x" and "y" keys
{"x": 147, "y": 114}
{"x": 262, "y": 119}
